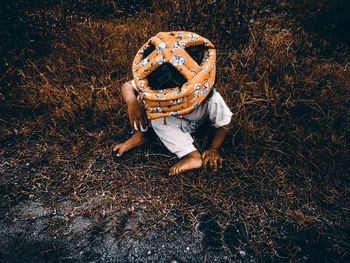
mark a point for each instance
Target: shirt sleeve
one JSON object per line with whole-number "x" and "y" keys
{"x": 219, "y": 114}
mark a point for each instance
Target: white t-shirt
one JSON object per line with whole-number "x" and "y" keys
{"x": 215, "y": 107}
{"x": 175, "y": 132}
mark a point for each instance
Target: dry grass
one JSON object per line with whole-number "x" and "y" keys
{"x": 287, "y": 156}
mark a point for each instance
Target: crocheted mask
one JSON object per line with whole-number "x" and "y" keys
{"x": 170, "y": 48}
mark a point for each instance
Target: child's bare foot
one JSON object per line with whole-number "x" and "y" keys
{"x": 136, "y": 139}
{"x": 191, "y": 161}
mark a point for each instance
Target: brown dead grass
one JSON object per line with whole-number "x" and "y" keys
{"x": 287, "y": 156}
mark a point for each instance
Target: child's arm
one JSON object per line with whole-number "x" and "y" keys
{"x": 212, "y": 154}
{"x": 136, "y": 112}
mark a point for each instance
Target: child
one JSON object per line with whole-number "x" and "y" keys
{"x": 172, "y": 92}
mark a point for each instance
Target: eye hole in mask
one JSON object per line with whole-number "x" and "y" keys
{"x": 148, "y": 50}
{"x": 167, "y": 76}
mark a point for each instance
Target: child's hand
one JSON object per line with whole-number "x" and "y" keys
{"x": 119, "y": 149}
{"x": 137, "y": 116}
{"x": 136, "y": 139}
{"x": 213, "y": 157}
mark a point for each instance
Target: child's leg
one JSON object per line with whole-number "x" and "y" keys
{"x": 179, "y": 142}
{"x": 191, "y": 161}
{"x": 136, "y": 139}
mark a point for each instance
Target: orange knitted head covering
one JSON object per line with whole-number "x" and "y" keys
{"x": 170, "y": 48}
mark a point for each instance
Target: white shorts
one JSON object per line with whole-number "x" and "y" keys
{"x": 175, "y": 134}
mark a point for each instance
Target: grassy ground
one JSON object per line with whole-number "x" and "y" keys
{"x": 283, "y": 69}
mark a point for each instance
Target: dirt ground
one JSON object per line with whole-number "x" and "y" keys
{"x": 42, "y": 228}
{"x": 31, "y": 230}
